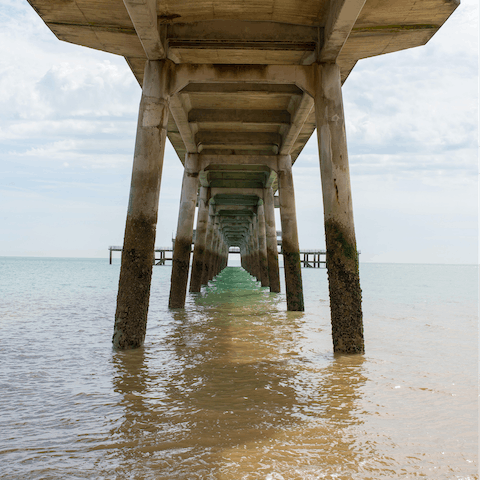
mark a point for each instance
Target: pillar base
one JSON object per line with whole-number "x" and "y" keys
{"x": 345, "y": 292}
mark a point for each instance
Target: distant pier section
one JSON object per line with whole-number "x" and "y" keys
{"x": 160, "y": 257}
{"x": 308, "y": 258}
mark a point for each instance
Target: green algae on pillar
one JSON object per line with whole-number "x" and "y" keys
{"x": 139, "y": 241}
{"x": 342, "y": 257}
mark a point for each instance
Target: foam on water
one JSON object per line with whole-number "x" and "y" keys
{"x": 234, "y": 386}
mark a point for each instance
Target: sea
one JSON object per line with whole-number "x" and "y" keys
{"x": 233, "y": 386}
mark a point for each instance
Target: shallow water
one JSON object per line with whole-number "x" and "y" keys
{"x": 234, "y": 386}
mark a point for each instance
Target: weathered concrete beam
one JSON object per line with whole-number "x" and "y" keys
{"x": 341, "y": 18}
{"x": 143, "y": 14}
{"x": 242, "y": 88}
{"x": 237, "y": 191}
{"x": 236, "y": 209}
{"x": 183, "y": 238}
{"x": 269, "y": 161}
{"x": 271, "y": 179}
{"x": 342, "y": 256}
{"x": 300, "y": 75}
{"x": 232, "y": 32}
{"x": 181, "y": 120}
{"x": 139, "y": 242}
{"x": 299, "y": 118}
{"x": 234, "y": 139}
{"x": 251, "y": 117}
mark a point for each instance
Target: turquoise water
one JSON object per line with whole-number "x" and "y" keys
{"x": 234, "y": 386}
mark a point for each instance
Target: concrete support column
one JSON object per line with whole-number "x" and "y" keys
{"x": 208, "y": 244}
{"x": 253, "y": 248}
{"x": 139, "y": 241}
{"x": 342, "y": 257}
{"x": 290, "y": 247}
{"x": 257, "y": 247}
{"x": 200, "y": 241}
{"x": 262, "y": 245}
{"x": 271, "y": 234}
{"x": 214, "y": 251}
{"x": 222, "y": 255}
{"x": 218, "y": 242}
{"x": 248, "y": 255}
{"x": 225, "y": 256}
{"x": 183, "y": 239}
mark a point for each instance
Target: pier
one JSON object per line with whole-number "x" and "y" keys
{"x": 238, "y": 88}
{"x": 311, "y": 258}
{"x": 160, "y": 257}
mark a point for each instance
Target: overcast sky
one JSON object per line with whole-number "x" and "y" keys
{"x": 67, "y": 131}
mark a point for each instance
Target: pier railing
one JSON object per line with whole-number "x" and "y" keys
{"x": 308, "y": 258}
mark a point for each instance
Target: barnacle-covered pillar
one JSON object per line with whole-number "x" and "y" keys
{"x": 342, "y": 255}
{"x": 139, "y": 241}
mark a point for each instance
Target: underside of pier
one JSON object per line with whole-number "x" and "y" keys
{"x": 238, "y": 88}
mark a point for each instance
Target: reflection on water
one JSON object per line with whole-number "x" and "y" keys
{"x": 236, "y": 387}
{"x": 232, "y": 397}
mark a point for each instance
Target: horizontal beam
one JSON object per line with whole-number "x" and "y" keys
{"x": 270, "y": 161}
{"x": 237, "y": 191}
{"x": 247, "y": 88}
{"x": 237, "y": 138}
{"x": 239, "y": 116}
{"x": 234, "y": 31}
{"x": 303, "y": 76}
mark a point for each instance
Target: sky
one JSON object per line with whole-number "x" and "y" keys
{"x": 67, "y": 131}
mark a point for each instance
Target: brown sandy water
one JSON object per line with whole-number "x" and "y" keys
{"x": 235, "y": 387}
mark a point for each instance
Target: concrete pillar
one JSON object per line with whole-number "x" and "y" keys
{"x": 290, "y": 248}
{"x": 271, "y": 234}
{"x": 254, "y": 248}
{"x": 208, "y": 243}
{"x": 200, "y": 241}
{"x": 214, "y": 251}
{"x": 139, "y": 241}
{"x": 248, "y": 257}
{"x": 243, "y": 254}
{"x": 342, "y": 258}
{"x": 262, "y": 245}
{"x": 183, "y": 238}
